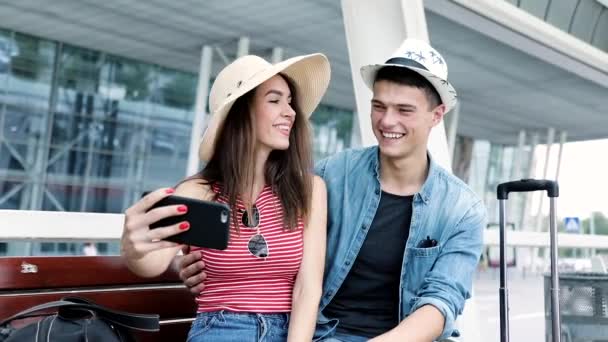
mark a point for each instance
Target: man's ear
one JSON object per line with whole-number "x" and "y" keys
{"x": 438, "y": 114}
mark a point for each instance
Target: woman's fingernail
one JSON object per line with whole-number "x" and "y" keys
{"x": 184, "y": 225}
{"x": 169, "y": 191}
{"x": 182, "y": 208}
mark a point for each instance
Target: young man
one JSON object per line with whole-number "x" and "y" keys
{"x": 404, "y": 235}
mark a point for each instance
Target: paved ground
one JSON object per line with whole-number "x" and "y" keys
{"x": 526, "y": 299}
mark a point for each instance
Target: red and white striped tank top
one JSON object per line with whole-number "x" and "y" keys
{"x": 237, "y": 280}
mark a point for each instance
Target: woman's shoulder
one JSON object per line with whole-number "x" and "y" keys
{"x": 197, "y": 188}
{"x": 318, "y": 185}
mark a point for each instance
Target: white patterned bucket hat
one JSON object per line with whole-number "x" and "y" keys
{"x": 420, "y": 57}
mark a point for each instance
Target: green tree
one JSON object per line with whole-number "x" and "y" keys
{"x": 180, "y": 92}
{"x": 600, "y": 221}
{"x": 136, "y": 77}
{"x": 26, "y": 64}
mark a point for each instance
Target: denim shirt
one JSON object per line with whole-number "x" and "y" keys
{"x": 445, "y": 209}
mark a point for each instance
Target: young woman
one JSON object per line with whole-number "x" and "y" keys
{"x": 266, "y": 285}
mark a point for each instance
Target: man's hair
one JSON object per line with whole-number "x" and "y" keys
{"x": 408, "y": 77}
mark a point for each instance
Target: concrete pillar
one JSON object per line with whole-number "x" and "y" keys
{"x": 387, "y": 23}
{"x": 452, "y": 128}
{"x": 277, "y": 55}
{"x": 243, "y": 47}
{"x": 539, "y": 216}
{"x": 562, "y": 140}
{"x": 200, "y": 109}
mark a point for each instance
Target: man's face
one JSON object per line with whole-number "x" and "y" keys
{"x": 402, "y": 119}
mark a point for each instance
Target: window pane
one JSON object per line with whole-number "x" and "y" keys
{"x": 26, "y": 65}
{"x": 332, "y": 128}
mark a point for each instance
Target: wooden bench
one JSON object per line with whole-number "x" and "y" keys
{"x": 28, "y": 281}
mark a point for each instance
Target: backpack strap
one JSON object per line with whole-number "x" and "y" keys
{"x": 124, "y": 319}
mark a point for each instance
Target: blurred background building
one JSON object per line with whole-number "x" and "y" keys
{"x": 98, "y": 99}
{"x": 103, "y": 100}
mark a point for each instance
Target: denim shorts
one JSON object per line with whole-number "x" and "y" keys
{"x": 227, "y": 326}
{"x": 339, "y": 337}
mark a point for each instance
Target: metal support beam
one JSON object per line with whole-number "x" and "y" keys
{"x": 516, "y": 173}
{"x": 539, "y": 216}
{"x": 550, "y": 139}
{"x": 200, "y": 110}
{"x": 518, "y": 155}
{"x": 222, "y": 55}
{"x": 394, "y": 21}
{"x": 530, "y": 174}
{"x": 41, "y": 164}
{"x": 84, "y": 196}
{"x": 15, "y": 189}
{"x": 524, "y": 218}
{"x": 277, "y": 55}
{"x": 562, "y": 141}
{"x": 243, "y": 47}
{"x": 452, "y": 124}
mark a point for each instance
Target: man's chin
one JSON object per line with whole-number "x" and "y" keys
{"x": 391, "y": 151}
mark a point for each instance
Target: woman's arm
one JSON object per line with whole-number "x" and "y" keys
{"x": 144, "y": 250}
{"x": 309, "y": 282}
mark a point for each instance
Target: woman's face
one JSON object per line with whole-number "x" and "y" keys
{"x": 273, "y": 115}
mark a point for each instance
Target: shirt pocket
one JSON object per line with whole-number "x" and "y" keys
{"x": 423, "y": 252}
{"x": 420, "y": 261}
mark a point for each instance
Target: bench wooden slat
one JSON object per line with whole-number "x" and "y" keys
{"x": 73, "y": 271}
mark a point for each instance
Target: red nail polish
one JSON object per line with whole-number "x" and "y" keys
{"x": 169, "y": 191}
{"x": 184, "y": 225}
{"x": 182, "y": 208}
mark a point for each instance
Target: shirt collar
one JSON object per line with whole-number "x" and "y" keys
{"x": 427, "y": 187}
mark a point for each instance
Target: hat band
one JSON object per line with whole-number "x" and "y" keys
{"x": 406, "y": 62}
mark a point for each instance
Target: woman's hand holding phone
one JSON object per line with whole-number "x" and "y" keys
{"x": 138, "y": 239}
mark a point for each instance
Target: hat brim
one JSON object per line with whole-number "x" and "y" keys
{"x": 310, "y": 75}
{"x": 446, "y": 91}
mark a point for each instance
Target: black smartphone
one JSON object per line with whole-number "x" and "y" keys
{"x": 209, "y": 222}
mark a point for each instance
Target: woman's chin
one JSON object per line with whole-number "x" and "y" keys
{"x": 282, "y": 147}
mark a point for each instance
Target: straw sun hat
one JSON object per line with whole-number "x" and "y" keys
{"x": 309, "y": 74}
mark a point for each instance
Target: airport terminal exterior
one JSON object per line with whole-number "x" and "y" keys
{"x": 102, "y": 101}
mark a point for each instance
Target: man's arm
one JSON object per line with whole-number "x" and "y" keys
{"x": 191, "y": 270}
{"x": 409, "y": 329}
{"x": 445, "y": 288}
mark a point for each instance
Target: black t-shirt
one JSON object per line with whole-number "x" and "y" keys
{"x": 367, "y": 303}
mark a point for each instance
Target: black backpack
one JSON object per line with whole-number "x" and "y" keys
{"x": 77, "y": 319}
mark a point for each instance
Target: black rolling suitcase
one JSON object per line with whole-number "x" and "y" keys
{"x": 502, "y": 192}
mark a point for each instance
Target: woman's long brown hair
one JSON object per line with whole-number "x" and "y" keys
{"x": 287, "y": 171}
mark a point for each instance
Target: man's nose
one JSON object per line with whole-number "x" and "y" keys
{"x": 389, "y": 118}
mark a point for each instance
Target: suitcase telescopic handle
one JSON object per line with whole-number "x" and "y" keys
{"x": 526, "y": 185}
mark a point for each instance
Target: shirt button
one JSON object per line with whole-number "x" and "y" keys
{"x": 364, "y": 227}
{"x": 377, "y": 191}
{"x": 347, "y": 263}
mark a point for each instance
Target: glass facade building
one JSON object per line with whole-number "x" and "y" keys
{"x": 86, "y": 131}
